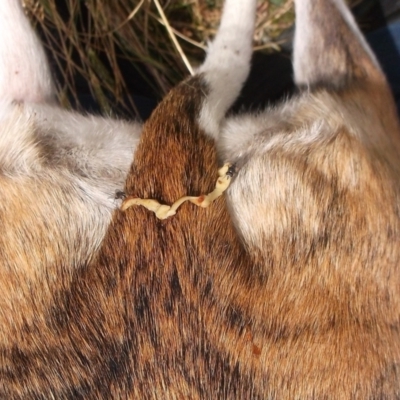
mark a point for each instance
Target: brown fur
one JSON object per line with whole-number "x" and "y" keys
{"x": 304, "y": 303}
{"x": 177, "y": 309}
{"x": 328, "y": 239}
{"x": 117, "y": 327}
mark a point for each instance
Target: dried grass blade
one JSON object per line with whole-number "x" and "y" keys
{"x": 173, "y": 37}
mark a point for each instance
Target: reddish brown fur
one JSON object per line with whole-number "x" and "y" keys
{"x": 327, "y": 236}
{"x": 117, "y": 326}
{"x": 305, "y": 304}
{"x": 176, "y": 309}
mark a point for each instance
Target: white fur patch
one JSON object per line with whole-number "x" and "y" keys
{"x": 24, "y": 70}
{"x": 19, "y": 151}
{"x": 227, "y": 64}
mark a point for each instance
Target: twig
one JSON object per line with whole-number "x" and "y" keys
{"x": 130, "y": 16}
{"x": 173, "y": 37}
{"x": 183, "y": 37}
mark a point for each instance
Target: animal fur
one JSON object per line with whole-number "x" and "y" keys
{"x": 287, "y": 288}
